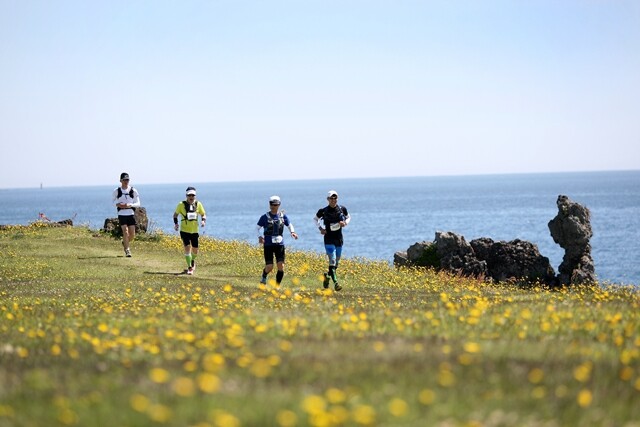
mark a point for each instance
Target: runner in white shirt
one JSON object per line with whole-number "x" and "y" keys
{"x": 126, "y": 200}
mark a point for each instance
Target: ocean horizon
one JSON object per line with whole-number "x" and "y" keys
{"x": 115, "y": 182}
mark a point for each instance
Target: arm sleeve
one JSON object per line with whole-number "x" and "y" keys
{"x": 289, "y": 224}
{"x": 317, "y": 220}
{"x": 347, "y": 217}
{"x": 114, "y": 197}
{"x": 317, "y": 223}
{"x": 136, "y": 199}
{"x": 260, "y": 225}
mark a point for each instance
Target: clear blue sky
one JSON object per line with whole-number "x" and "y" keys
{"x": 200, "y": 91}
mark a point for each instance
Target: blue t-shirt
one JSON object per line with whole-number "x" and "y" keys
{"x": 273, "y": 225}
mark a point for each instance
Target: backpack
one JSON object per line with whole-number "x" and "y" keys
{"x": 130, "y": 195}
{"x": 120, "y": 192}
{"x": 270, "y": 229}
{"x": 340, "y": 212}
{"x": 325, "y": 218}
{"x": 189, "y": 208}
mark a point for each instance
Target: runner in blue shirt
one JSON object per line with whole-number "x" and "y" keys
{"x": 269, "y": 229}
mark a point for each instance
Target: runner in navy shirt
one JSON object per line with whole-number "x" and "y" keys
{"x": 270, "y": 228}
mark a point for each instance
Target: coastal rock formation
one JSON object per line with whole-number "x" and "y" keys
{"x": 401, "y": 258}
{"x": 482, "y": 258}
{"x": 458, "y": 256}
{"x": 112, "y": 225}
{"x": 515, "y": 260}
{"x": 571, "y": 229}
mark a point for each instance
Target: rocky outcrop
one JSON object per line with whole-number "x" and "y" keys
{"x": 517, "y": 260}
{"x": 112, "y": 225}
{"x": 571, "y": 229}
{"x": 458, "y": 256}
{"x": 482, "y": 258}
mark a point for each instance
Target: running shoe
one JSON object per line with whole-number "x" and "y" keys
{"x": 127, "y": 253}
{"x": 190, "y": 271}
{"x": 325, "y": 282}
{"x": 193, "y": 265}
{"x": 263, "y": 280}
{"x": 337, "y": 287}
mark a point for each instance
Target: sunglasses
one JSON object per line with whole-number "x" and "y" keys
{"x": 191, "y": 195}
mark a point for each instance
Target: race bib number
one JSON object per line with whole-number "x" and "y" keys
{"x": 276, "y": 239}
{"x": 335, "y": 226}
{"x": 192, "y": 216}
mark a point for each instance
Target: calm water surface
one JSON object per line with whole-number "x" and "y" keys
{"x": 388, "y": 214}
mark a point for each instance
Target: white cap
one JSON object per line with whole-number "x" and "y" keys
{"x": 332, "y": 193}
{"x": 190, "y": 191}
{"x": 275, "y": 200}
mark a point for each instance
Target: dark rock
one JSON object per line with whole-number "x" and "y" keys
{"x": 482, "y": 258}
{"x": 142, "y": 220}
{"x": 457, "y": 256}
{"x": 420, "y": 254}
{"x": 400, "y": 259}
{"x": 414, "y": 252}
{"x": 112, "y": 225}
{"x": 482, "y": 247}
{"x": 571, "y": 229}
{"x": 517, "y": 259}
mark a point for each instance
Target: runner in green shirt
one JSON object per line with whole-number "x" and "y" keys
{"x": 189, "y": 210}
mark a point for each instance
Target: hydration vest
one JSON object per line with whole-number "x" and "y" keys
{"x": 328, "y": 220}
{"x": 130, "y": 195}
{"x": 190, "y": 209}
{"x": 274, "y": 227}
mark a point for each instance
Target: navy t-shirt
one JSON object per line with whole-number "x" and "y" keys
{"x": 272, "y": 239}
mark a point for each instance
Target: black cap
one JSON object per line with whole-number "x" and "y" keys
{"x": 124, "y": 175}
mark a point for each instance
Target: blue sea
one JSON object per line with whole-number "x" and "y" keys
{"x": 388, "y": 214}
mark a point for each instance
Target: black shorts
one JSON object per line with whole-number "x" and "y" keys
{"x": 189, "y": 239}
{"x": 127, "y": 220}
{"x": 270, "y": 251}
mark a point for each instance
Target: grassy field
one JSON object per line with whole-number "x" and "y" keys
{"x": 91, "y": 338}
